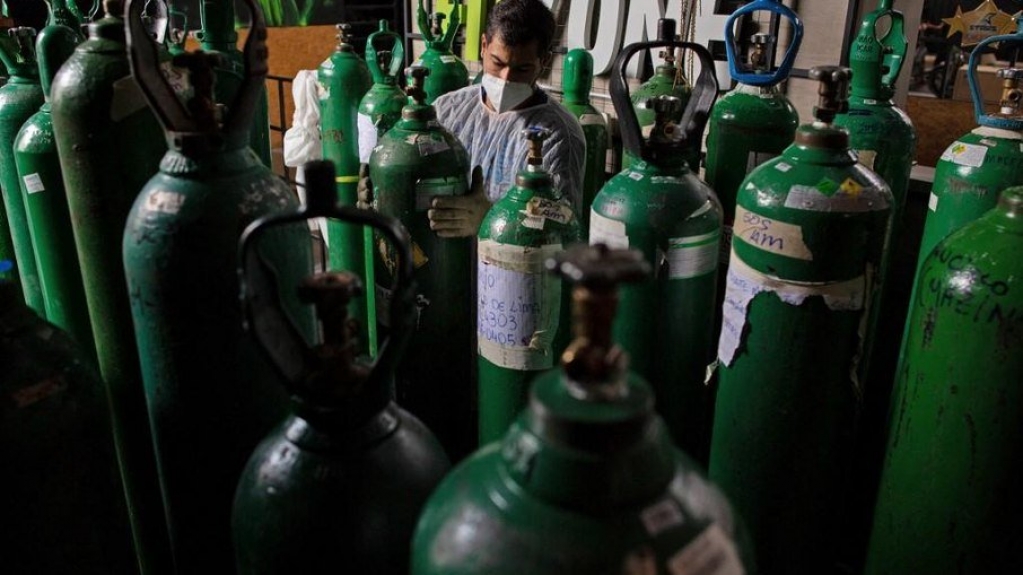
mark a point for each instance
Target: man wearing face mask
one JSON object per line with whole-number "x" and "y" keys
{"x": 488, "y": 119}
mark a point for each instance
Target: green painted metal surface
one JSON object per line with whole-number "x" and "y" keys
{"x": 344, "y": 80}
{"x": 20, "y": 97}
{"x": 109, "y": 144}
{"x": 586, "y": 480}
{"x": 46, "y": 206}
{"x": 447, "y": 71}
{"x": 810, "y": 231}
{"x": 63, "y": 504}
{"x": 413, "y": 162}
{"x": 340, "y": 484}
{"x": 210, "y": 395}
{"x": 577, "y": 81}
{"x": 522, "y": 313}
{"x": 949, "y": 493}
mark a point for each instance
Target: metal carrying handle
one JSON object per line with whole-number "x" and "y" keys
{"x": 17, "y": 51}
{"x": 273, "y": 328}
{"x": 394, "y": 68}
{"x": 978, "y": 102}
{"x": 445, "y": 40}
{"x": 785, "y": 68}
{"x": 697, "y": 112}
{"x": 877, "y": 62}
{"x": 143, "y": 57}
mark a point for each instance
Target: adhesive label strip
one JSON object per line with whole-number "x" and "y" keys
{"x": 744, "y": 282}
{"x": 606, "y": 231}
{"x": 770, "y": 235}
{"x": 367, "y": 137}
{"x": 519, "y": 305}
{"x": 867, "y": 158}
{"x": 33, "y": 183}
{"x": 850, "y": 196}
{"x": 964, "y": 154}
{"x": 548, "y": 210}
{"x": 693, "y": 256}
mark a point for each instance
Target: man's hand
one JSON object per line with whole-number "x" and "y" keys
{"x": 364, "y": 189}
{"x": 460, "y": 216}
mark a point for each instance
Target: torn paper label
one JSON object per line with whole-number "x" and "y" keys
{"x": 548, "y": 210}
{"x": 607, "y": 231}
{"x": 367, "y": 137}
{"x": 770, "y": 235}
{"x": 849, "y": 197}
{"x": 867, "y": 158}
{"x": 519, "y": 305}
{"x": 932, "y": 202}
{"x": 165, "y": 201}
{"x": 692, "y": 256}
{"x": 743, "y": 283}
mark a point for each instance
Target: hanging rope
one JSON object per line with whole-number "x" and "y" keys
{"x": 691, "y": 9}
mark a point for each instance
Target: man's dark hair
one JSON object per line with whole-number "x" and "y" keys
{"x": 519, "y": 22}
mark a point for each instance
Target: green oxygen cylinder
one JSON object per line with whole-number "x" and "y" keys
{"x": 46, "y": 206}
{"x": 210, "y": 395}
{"x": 381, "y": 107}
{"x": 884, "y": 140}
{"x": 109, "y": 144}
{"x": 343, "y": 80}
{"x": 662, "y": 209}
{"x": 412, "y": 163}
{"x": 339, "y": 485}
{"x": 576, "y": 82}
{"x": 755, "y": 121}
{"x": 20, "y": 97}
{"x": 587, "y": 479}
{"x": 668, "y": 80}
{"x": 810, "y": 233}
{"x": 217, "y": 35}
{"x": 975, "y": 167}
{"x": 63, "y": 505}
{"x": 447, "y": 71}
{"x": 949, "y": 492}
{"x": 522, "y": 314}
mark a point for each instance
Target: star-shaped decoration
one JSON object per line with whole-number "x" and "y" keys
{"x": 981, "y": 23}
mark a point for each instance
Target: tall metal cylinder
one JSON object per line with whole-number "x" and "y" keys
{"x": 210, "y": 394}
{"x": 447, "y": 71}
{"x": 577, "y": 81}
{"x": 109, "y": 144}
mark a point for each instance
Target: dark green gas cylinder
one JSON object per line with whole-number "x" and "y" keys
{"x": 109, "y": 144}
{"x": 576, "y": 82}
{"x": 414, "y": 162}
{"x": 339, "y": 485}
{"x": 950, "y": 498}
{"x": 447, "y": 71}
{"x": 20, "y": 97}
{"x": 755, "y": 121}
{"x": 810, "y": 232}
{"x": 660, "y": 208}
{"x": 217, "y": 36}
{"x": 883, "y": 138}
{"x": 46, "y": 206}
{"x": 63, "y": 506}
{"x": 381, "y": 107}
{"x": 523, "y": 313}
{"x": 974, "y": 168}
{"x": 587, "y": 480}
{"x": 343, "y": 81}
{"x": 211, "y": 395}
{"x": 668, "y": 80}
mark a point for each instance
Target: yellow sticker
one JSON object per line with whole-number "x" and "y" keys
{"x": 419, "y": 258}
{"x": 387, "y": 254}
{"x": 851, "y": 187}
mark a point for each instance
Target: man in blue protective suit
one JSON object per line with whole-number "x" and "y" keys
{"x": 488, "y": 119}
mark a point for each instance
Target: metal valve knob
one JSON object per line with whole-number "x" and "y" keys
{"x": 536, "y": 137}
{"x": 761, "y": 39}
{"x": 594, "y": 365}
{"x": 833, "y": 91}
{"x": 437, "y": 23}
{"x": 665, "y": 30}
{"x": 344, "y": 36}
{"x": 417, "y": 80}
{"x": 1010, "y": 73}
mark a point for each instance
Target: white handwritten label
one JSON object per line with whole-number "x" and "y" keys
{"x": 770, "y": 235}
{"x": 693, "y": 256}
{"x": 711, "y": 553}
{"x": 548, "y": 210}
{"x": 367, "y": 137}
{"x": 165, "y": 201}
{"x": 519, "y": 305}
{"x": 33, "y": 183}
{"x": 607, "y": 231}
{"x": 964, "y": 154}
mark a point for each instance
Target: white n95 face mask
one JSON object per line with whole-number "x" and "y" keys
{"x": 505, "y": 95}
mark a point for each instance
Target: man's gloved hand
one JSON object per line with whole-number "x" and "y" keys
{"x": 364, "y": 189}
{"x": 460, "y": 216}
